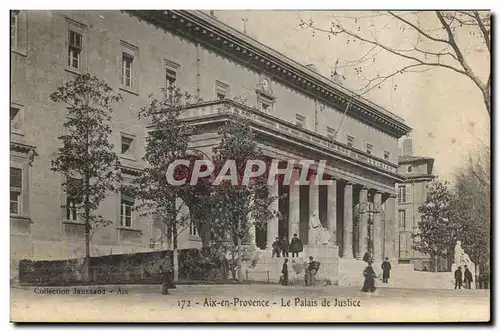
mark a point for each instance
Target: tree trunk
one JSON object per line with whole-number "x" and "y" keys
{"x": 240, "y": 271}
{"x": 175, "y": 255}
{"x": 86, "y": 266}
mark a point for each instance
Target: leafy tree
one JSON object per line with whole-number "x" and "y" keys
{"x": 431, "y": 40}
{"x": 239, "y": 207}
{"x": 86, "y": 154}
{"x": 167, "y": 141}
{"x": 437, "y": 231}
{"x": 471, "y": 208}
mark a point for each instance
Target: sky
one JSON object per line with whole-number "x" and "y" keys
{"x": 445, "y": 109}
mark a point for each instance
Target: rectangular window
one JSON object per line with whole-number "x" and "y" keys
{"x": 73, "y": 198}
{"x": 350, "y": 141}
{"x": 300, "y": 120}
{"x": 192, "y": 229}
{"x": 16, "y": 120}
{"x": 14, "y": 28}
{"x": 402, "y": 218}
{"x": 127, "y": 145}
{"x": 409, "y": 169}
{"x": 221, "y": 90}
{"x": 265, "y": 102}
{"x": 330, "y": 132}
{"x": 74, "y": 49}
{"x": 126, "y": 207}
{"x": 127, "y": 73}
{"x": 387, "y": 154}
{"x": 16, "y": 183}
{"x": 369, "y": 148}
{"x": 265, "y": 107}
{"x": 170, "y": 80}
{"x": 401, "y": 194}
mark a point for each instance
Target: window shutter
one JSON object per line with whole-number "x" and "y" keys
{"x": 16, "y": 178}
{"x": 402, "y": 245}
{"x": 409, "y": 192}
{"x": 408, "y": 222}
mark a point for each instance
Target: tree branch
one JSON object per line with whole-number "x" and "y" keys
{"x": 419, "y": 30}
{"x": 467, "y": 69}
{"x": 486, "y": 35}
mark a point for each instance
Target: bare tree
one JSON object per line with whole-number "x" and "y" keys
{"x": 437, "y": 39}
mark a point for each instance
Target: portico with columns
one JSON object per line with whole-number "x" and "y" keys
{"x": 355, "y": 220}
{"x": 357, "y": 208}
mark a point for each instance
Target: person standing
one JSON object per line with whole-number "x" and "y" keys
{"x": 467, "y": 278}
{"x": 284, "y": 272}
{"x": 276, "y": 248}
{"x": 296, "y": 246}
{"x": 166, "y": 274}
{"x": 311, "y": 271}
{"x": 386, "y": 270}
{"x": 284, "y": 246}
{"x": 369, "y": 274}
{"x": 458, "y": 278}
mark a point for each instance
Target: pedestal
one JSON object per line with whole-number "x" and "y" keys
{"x": 328, "y": 256}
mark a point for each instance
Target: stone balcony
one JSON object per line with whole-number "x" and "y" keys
{"x": 208, "y": 111}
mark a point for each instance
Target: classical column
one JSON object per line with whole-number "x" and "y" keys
{"x": 363, "y": 222}
{"x": 347, "y": 231}
{"x": 294, "y": 209}
{"x": 331, "y": 212}
{"x": 377, "y": 227}
{"x": 313, "y": 211}
{"x": 391, "y": 233}
{"x": 273, "y": 223}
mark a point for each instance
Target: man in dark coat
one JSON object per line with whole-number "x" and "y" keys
{"x": 458, "y": 278}
{"x": 166, "y": 274}
{"x": 296, "y": 246}
{"x": 284, "y": 246}
{"x": 284, "y": 271}
{"x": 311, "y": 271}
{"x": 467, "y": 278}
{"x": 276, "y": 248}
{"x": 386, "y": 270}
{"x": 369, "y": 274}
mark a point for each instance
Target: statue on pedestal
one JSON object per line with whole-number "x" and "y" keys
{"x": 321, "y": 235}
{"x": 461, "y": 258}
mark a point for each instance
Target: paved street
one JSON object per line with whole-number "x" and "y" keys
{"x": 190, "y": 303}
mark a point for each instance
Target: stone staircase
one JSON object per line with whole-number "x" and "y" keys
{"x": 268, "y": 268}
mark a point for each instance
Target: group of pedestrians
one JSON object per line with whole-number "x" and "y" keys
{"x": 467, "y": 278}
{"x": 283, "y": 247}
{"x": 369, "y": 273}
{"x": 309, "y": 273}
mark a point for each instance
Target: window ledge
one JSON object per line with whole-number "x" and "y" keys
{"x": 73, "y": 222}
{"x": 129, "y": 90}
{"x": 194, "y": 238}
{"x": 135, "y": 230}
{"x": 73, "y": 70}
{"x": 128, "y": 157}
{"x": 22, "y": 53}
{"x": 22, "y": 218}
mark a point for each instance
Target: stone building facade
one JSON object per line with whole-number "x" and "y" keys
{"x": 412, "y": 193}
{"x": 295, "y": 111}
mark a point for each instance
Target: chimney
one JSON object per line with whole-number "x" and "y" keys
{"x": 212, "y": 13}
{"x": 407, "y": 147}
{"x": 312, "y": 67}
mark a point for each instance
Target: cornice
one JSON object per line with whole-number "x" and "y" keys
{"x": 216, "y": 35}
{"x": 296, "y": 136}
